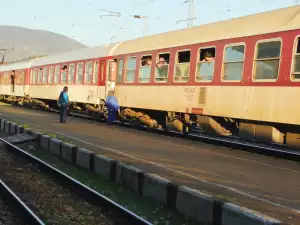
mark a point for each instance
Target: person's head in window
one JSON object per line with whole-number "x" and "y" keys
{"x": 208, "y": 57}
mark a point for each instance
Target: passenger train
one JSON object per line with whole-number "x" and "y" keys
{"x": 235, "y": 77}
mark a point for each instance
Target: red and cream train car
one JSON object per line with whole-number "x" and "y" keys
{"x": 249, "y": 85}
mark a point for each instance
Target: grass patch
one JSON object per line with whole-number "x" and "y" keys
{"x": 142, "y": 206}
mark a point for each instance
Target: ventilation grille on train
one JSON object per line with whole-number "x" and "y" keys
{"x": 202, "y": 95}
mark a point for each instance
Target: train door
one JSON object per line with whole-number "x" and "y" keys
{"x": 100, "y": 66}
{"x": 111, "y": 75}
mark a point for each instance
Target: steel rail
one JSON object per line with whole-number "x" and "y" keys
{"x": 268, "y": 149}
{"x": 28, "y": 216}
{"x": 81, "y": 189}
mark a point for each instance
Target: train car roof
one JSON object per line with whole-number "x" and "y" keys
{"x": 18, "y": 65}
{"x": 262, "y": 23}
{"x": 78, "y": 54}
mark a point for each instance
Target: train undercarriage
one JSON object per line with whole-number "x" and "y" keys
{"x": 282, "y": 134}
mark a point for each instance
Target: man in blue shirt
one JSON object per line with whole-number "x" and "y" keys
{"x": 113, "y": 107}
{"x": 63, "y": 102}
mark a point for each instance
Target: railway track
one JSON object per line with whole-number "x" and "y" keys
{"x": 269, "y": 149}
{"x": 13, "y": 211}
{"x": 55, "y": 197}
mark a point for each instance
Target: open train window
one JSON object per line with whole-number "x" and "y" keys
{"x": 130, "y": 69}
{"x": 120, "y": 70}
{"x": 71, "y": 73}
{"x": 296, "y": 61}
{"x": 233, "y": 63}
{"x": 182, "y": 67}
{"x": 51, "y": 73}
{"x": 40, "y": 77}
{"x": 45, "y": 75}
{"x": 162, "y": 67}
{"x": 79, "y": 73}
{"x": 206, "y": 64}
{"x": 64, "y": 70}
{"x": 145, "y": 69}
{"x": 56, "y": 74}
{"x": 266, "y": 65}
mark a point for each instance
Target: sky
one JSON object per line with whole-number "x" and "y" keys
{"x": 82, "y": 21}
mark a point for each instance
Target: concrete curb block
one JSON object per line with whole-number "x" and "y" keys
{"x": 85, "y": 159}
{"x": 44, "y": 141}
{"x": 105, "y": 167}
{"x": 130, "y": 177}
{"x": 20, "y": 129}
{"x": 156, "y": 188}
{"x": 35, "y": 134}
{"x": 68, "y": 152}
{"x": 195, "y": 204}
{"x": 13, "y": 127}
{"x": 190, "y": 202}
{"x": 234, "y": 214}
{"x": 3, "y": 124}
{"x": 54, "y": 146}
{"x": 26, "y": 131}
{"x": 7, "y": 126}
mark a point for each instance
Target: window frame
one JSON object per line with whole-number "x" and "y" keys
{"x": 175, "y": 64}
{"x": 294, "y": 52}
{"x": 156, "y": 60}
{"x": 69, "y": 65}
{"x": 76, "y": 74}
{"x": 223, "y": 61}
{"x": 59, "y": 74}
{"x": 96, "y": 67}
{"x": 125, "y": 81}
{"x": 140, "y": 66}
{"x": 122, "y": 77}
{"x": 46, "y": 68}
{"x": 255, "y": 56}
{"x": 198, "y": 61}
{"x": 85, "y": 72}
{"x": 52, "y": 81}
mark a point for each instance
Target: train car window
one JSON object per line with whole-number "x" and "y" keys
{"x": 45, "y": 75}
{"x": 51, "y": 73}
{"x": 130, "y": 69}
{"x": 40, "y": 76}
{"x": 64, "y": 70}
{"x": 206, "y": 64}
{"x": 267, "y": 60}
{"x": 35, "y": 76}
{"x": 162, "y": 67}
{"x": 233, "y": 63}
{"x": 88, "y": 73}
{"x": 56, "y": 74}
{"x": 296, "y": 61}
{"x": 182, "y": 68}
{"x": 120, "y": 70}
{"x": 71, "y": 73}
{"x": 96, "y": 72}
{"x": 145, "y": 69}
{"x": 22, "y": 77}
{"x": 79, "y": 73}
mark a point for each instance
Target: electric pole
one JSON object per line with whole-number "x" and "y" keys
{"x": 191, "y": 14}
{"x": 145, "y": 18}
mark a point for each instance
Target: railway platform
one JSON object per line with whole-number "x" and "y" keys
{"x": 265, "y": 184}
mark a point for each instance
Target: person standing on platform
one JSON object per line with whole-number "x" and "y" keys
{"x": 63, "y": 101}
{"x": 112, "y": 106}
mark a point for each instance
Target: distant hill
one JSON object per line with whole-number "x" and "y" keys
{"x": 28, "y": 42}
